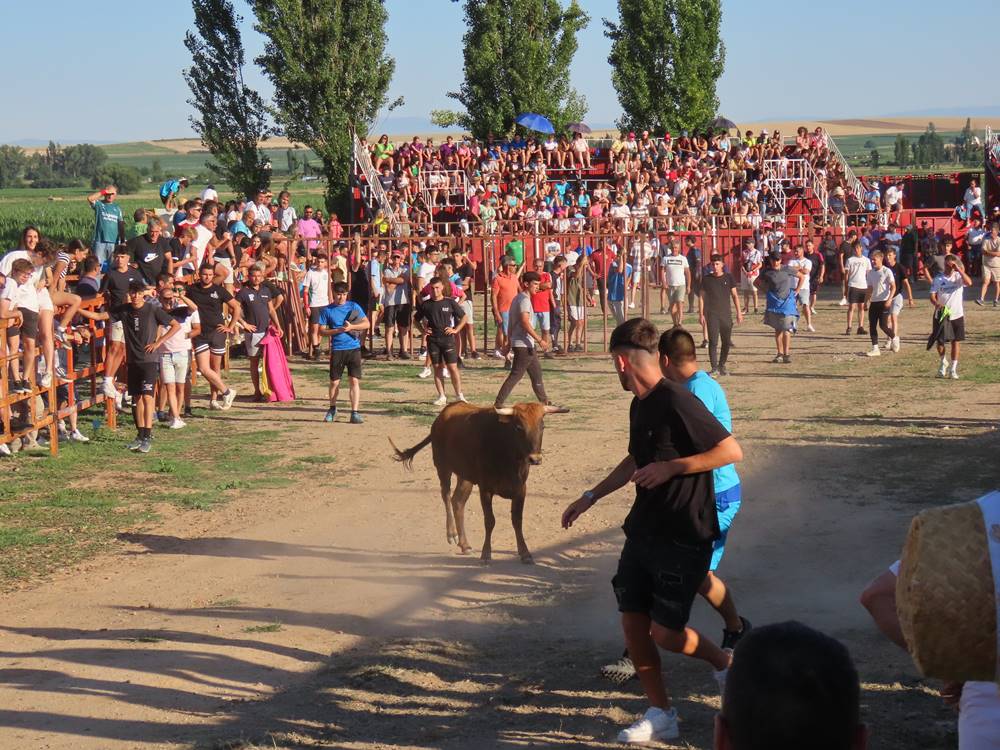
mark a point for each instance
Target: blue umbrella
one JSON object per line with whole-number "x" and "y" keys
{"x": 533, "y": 121}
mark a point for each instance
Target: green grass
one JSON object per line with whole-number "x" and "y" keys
{"x": 224, "y": 603}
{"x": 274, "y": 627}
{"x": 857, "y": 150}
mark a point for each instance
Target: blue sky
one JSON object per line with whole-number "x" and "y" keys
{"x": 112, "y": 72}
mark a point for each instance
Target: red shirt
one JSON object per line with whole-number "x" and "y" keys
{"x": 601, "y": 260}
{"x": 506, "y": 288}
{"x": 541, "y": 301}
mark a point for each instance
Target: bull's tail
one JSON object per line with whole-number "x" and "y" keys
{"x": 407, "y": 456}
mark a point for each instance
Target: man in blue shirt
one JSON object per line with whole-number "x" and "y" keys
{"x": 343, "y": 321}
{"x": 170, "y": 192}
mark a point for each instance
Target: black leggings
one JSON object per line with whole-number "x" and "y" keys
{"x": 878, "y": 317}
{"x": 525, "y": 361}
{"x": 719, "y": 328}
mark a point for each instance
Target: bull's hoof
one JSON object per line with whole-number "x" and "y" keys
{"x": 527, "y": 559}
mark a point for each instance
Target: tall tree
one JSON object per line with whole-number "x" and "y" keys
{"x": 901, "y": 150}
{"x": 517, "y": 56}
{"x": 330, "y": 71}
{"x": 666, "y": 58}
{"x": 232, "y": 118}
{"x": 12, "y": 164}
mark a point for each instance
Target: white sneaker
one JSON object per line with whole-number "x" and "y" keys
{"x": 843, "y": 302}
{"x": 874, "y": 352}
{"x": 425, "y": 373}
{"x": 214, "y": 405}
{"x": 178, "y": 424}
{"x": 441, "y": 400}
{"x": 813, "y": 310}
{"x": 895, "y": 344}
{"x": 227, "y": 400}
{"x": 656, "y": 724}
{"x": 810, "y": 328}
{"x": 78, "y": 437}
{"x": 497, "y": 354}
{"x": 108, "y": 389}
{"x": 954, "y": 374}
{"x": 46, "y": 380}
{"x": 631, "y": 305}
{"x": 942, "y": 371}
{"x": 5, "y": 450}
{"x": 462, "y": 398}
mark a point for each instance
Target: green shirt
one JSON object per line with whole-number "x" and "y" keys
{"x": 515, "y": 249}
{"x": 106, "y": 218}
{"x": 135, "y": 230}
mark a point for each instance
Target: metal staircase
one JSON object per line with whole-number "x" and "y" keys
{"x": 371, "y": 189}
{"x": 991, "y": 167}
{"x": 854, "y": 185}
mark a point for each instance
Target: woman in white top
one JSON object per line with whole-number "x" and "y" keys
{"x": 974, "y": 198}
{"x": 175, "y": 352}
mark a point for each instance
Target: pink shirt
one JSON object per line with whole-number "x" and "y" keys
{"x": 309, "y": 229}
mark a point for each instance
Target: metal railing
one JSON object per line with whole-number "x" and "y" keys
{"x": 854, "y": 185}
{"x": 451, "y": 183}
{"x": 372, "y": 189}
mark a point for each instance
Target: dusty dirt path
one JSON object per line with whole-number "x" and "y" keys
{"x": 333, "y": 614}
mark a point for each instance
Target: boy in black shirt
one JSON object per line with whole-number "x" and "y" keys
{"x": 674, "y": 443}
{"x": 151, "y": 253}
{"x": 257, "y": 302}
{"x": 444, "y": 319}
{"x": 114, "y": 286}
{"x": 140, "y": 322}
{"x": 210, "y": 345}
{"x": 718, "y": 290}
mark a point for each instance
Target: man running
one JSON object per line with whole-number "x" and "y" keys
{"x": 899, "y": 276}
{"x": 881, "y": 290}
{"x": 344, "y": 322}
{"x": 257, "y": 303}
{"x": 718, "y": 294}
{"x": 674, "y": 444}
{"x": 523, "y": 341}
{"x": 856, "y": 270}
{"x": 947, "y": 291}
{"x": 210, "y": 345}
{"x": 780, "y": 286}
{"x": 445, "y": 320}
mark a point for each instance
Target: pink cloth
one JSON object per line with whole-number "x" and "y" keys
{"x": 278, "y": 376}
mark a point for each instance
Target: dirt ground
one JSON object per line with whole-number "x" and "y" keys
{"x": 334, "y": 614}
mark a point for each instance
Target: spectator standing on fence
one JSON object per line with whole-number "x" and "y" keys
{"x": 344, "y": 322}
{"x": 947, "y": 291}
{"x": 115, "y": 287}
{"x": 396, "y": 303}
{"x": 212, "y": 299}
{"x": 443, "y": 320}
{"x": 678, "y": 280}
{"x": 19, "y": 302}
{"x": 881, "y": 290}
{"x": 175, "y": 352}
{"x": 257, "y": 303}
{"x": 991, "y": 265}
{"x": 524, "y": 341}
{"x": 109, "y": 224}
{"x": 170, "y": 193}
{"x": 718, "y": 294}
{"x": 973, "y": 198}
{"x": 856, "y": 269}
{"x": 503, "y": 290}
{"x": 894, "y": 201}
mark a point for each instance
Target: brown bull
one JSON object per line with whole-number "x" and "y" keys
{"x": 492, "y": 448}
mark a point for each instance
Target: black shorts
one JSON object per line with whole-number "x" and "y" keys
{"x": 442, "y": 351}
{"x": 214, "y": 341}
{"x": 957, "y": 330}
{"x": 397, "y": 315}
{"x": 661, "y": 578}
{"x": 856, "y": 296}
{"x": 345, "y": 358}
{"x": 142, "y": 377}
{"x": 29, "y": 325}
{"x": 314, "y": 313}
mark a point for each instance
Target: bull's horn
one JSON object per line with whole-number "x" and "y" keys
{"x": 553, "y": 409}
{"x": 506, "y": 411}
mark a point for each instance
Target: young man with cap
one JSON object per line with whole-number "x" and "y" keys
{"x": 344, "y": 322}
{"x": 523, "y": 341}
{"x": 715, "y": 312}
{"x": 780, "y": 286}
{"x": 674, "y": 444}
{"x": 109, "y": 224}
{"x": 947, "y": 291}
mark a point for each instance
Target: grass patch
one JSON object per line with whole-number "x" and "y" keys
{"x": 224, "y": 603}
{"x": 273, "y": 627}
{"x": 316, "y": 460}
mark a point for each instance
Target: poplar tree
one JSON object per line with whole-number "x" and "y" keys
{"x": 232, "y": 118}
{"x": 666, "y": 58}
{"x": 517, "y": 56}
{"x": 330, "y": 70}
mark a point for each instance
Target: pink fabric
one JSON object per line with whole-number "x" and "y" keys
{"x": 278, "y": 376}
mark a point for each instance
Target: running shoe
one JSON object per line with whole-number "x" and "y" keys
{"x": 861, "y": 331}
{"x": 78, "y": 437}
{"x": 895, "y": 344}
{"x": 811, "y": 328}
{"x": 979, "y": 302}
{"x": 214, "y": 405}
{"x": 5, "y": 450}
{"x": 720, "y": 676}
{"x": 404, "y": 355}
{"x": 425, "y": 373}
{"x": 874, "y": 352}
{"x": 497, "y": 354}
{"x": 228, "y": 398}
{"x": 786, "y": 359}
{"x": 108, "y": 389}
{"x": 331, "y": 414}
{"x": 134, "y": 445}
{"x": 776, "y": 360}
{"x": 356, "y": 418}
{"x": 462, "y": 398}
{"x": 145, "y": 445}
{"x": 942, "y": 371}
{"x": 731, "y": 637}
{"x": 655, "y": 725}
{"x": 620, "y": 671}
{"x": 954, "y": 374}
{"x": 441, "y": 400}
{"x": 723, "y": 370}
{"x": 46, "y": 380}
{"x": 178, "y": 424}
{"x": 843, "y": 302}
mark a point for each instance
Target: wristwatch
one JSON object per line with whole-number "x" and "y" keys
{"x": 590, "y": 497}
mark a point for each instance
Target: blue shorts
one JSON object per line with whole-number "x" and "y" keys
{"x": 727, "y": 505}
{"x": 505, "y": 321}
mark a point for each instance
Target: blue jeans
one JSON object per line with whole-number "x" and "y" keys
{"x": 103, "y": 252}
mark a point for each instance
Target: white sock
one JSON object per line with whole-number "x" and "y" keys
{"x": 108, "y": 379}
{"x": 954, "y": 365}
{"x": 944, "y": 361}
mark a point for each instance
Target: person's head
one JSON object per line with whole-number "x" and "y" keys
{"x": 206, "y": 274}
{"x": 21, "y": 270}
{"x": 256, "y": 275}
{"x": 774, "y": 260}
{"x": 109, "y": 193}
{"x": 209, "y": 221}
{"x": 951, "y": 263}
{"x": 284, "y": 198}
{"x": 718, "y": 264}
{"x": 633, "y": 347}
{"x": 877, "y": 258}
{"x": 121, "y": 257}
{"x": 437, "y": 288}
{"x": 678, "y": 356}
{"x": 790, "y": 687}
{"x": 137, "y": 293}
{"x": 559, "y": 263}
{"x": 539, "y": 264}
{"x": 856, "y": 247}
{"x": 153, "y": 231}
{"x": 890, "y": 256}
{"x": 91, "y": 265}
{"x": 509, "y": 265}
{"x": 29, "y": 238}
{"x": 320, "y": 262}
{"x": 139, "y": 216}
{"x": 340, "y": 293}
{"x": 995, "y": 228}
{"x": 946, "y": 243}
{"x": 307, "y": 212}
{"x": 530, "y": 282}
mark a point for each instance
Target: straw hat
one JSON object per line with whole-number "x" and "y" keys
{"x": 946, "y": 594}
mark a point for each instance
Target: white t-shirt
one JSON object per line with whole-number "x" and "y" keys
{"x": 318, "y": 284}
{"x": 262, "y": 212}
{"x": 199, "y": 243}
{"x": 181, "y": 341}
{"x": 950, "y": 290}
{"x": 880, "y": 281}
{"x": 857, "y": 267}
{"x": 209, "y": 194}
{"x": 675, "y": 266}
{"x": 804, "y": 263}
{"x": 425, "y": 273}
{"x": 286, "y": 219}
{"x": 893, "y": 196}
{"x": 25, "y": 296}
{"x": 7, "y": 261}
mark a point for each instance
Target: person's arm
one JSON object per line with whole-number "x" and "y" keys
{"x": 272, "y": 313}
{"x": 687, "y": 277}
{"x": 237, "y": 315}
{"x": 9, "y": 312}
{"x": 966, "y": 279}
{"x": 725, "y": 452}
{"x": 735, "y": 293}
{"x": 701, "y": 307}
{"x": 463, "y": 320}
{"x": 173, "y": 327}
{"x": 494, "y": 292}
{"x": 617, "y": 479}
{"x": 94, "y": 197}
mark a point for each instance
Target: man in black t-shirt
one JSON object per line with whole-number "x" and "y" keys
{"x": 845, "y": 251}
{"x": 114, "y": 286}
{"x": 151, "y": 253}
{"x": 442, "y": 319}
{"x": 674, "y": 443}
{"x": 140, "y": 323}
{"x": 718, "y": 293}
{"x": 210, "y": 345}
{"x": 257, "y": 302}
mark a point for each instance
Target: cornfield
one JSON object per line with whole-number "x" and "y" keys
{"x": 60, "y": 220}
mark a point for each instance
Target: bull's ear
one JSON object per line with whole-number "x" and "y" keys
{"x": 553, "y": 409}
{"x": 505, "y": 411}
